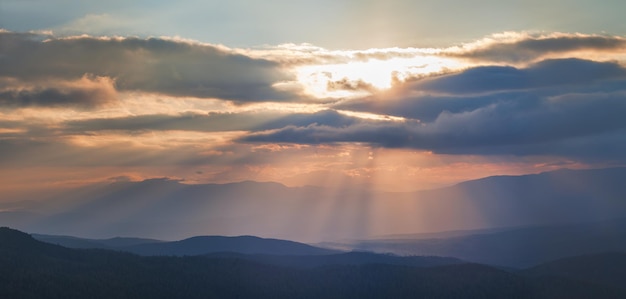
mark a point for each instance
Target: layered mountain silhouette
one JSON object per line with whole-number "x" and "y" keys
{"x": 607, "y": 269}
{"x": 191, "y": 246}
{"x": 83, "y": 243}
{"x": 515, "y": 247}
{"x": 347, "y": 258}
{"x": 33, "y": 269}
{"x": 167, "y": 209}
{"x": 266, "y": 251}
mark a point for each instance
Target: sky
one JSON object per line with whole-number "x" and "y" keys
{"x": 388, "y": 95}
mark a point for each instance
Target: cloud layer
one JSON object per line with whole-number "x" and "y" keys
{"x": 167, "y": 66}
{"x": 515, "y": 48}
{"x": 130, "y": 104}
{"x": 554, "y": 107}
{"x": 87, "y": 92}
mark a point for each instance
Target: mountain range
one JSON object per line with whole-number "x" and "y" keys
{"x": 191, "y": 246}
{"x": 34, "y": 269}
{"x": 266, "y": 251}
{"x": 169, "y": 209}
{"x": 519, "y": 247}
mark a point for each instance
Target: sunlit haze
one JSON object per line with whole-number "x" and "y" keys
{"x": 352, "y": 97}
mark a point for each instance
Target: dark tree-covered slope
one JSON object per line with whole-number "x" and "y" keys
{"x": 33, "y": 269}
{"x": 603, "y": 269}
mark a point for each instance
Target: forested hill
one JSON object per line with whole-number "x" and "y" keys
{"x": 191, "y": 246}
{"x": 33, "y": 269}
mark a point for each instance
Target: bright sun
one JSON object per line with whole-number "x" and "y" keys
{"x": 358, "y": 78}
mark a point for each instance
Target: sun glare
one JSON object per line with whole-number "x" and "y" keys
{"x": 357, "y": 78}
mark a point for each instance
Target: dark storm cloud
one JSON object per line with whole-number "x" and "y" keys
{"x": 382, "y": 134}
{"x": 211, "y": 122}
{"x": 547, "y": 73}
{"x": 568, "y": 124}
{"x": 608, "y": 147}
{"x": 531, "y": 48}
{"x": 152, "y": 65}
{"x": 425, "y": 108}
{"x": 323, "y": 118}
{"x": 482, "y": 86}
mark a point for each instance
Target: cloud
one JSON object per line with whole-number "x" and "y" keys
{"x": 104, "y": 151}
{"x": 547, "y": 73}
{"x": 150, "y": 140}
{"x": 120, "y": 179}
{"x": 307, "y": 54}
{"x": 210, "y": 122}
{"x": 525, "y": 47}
{"x": 87, "y": 92}
{"x": 530, "y": 125}
{"x": 425, "y": 99}
{"x": 131, "y": 106}
{"x": 351, "y": 85}
{"x": 425, "y": 107}
{"x": 169, "y": 66}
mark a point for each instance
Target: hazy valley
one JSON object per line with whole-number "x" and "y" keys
{"x": 551, "y": 235}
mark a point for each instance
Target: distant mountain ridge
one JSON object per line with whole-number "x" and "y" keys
{"x": 344, "y": 259}
{"x": 33, "y": 269}
{"x": 169, "y": 209}
{"x": 85, "y": 243}
{"x": 198, "y": 245}
{"x": 242, "y": 244}
{"x": 514, "y": 247}
{"x": 561, "y": 196}
{"x": 519, "y": 247}
{"x": 607, "y": 268}
{"x": 266, "y": 251}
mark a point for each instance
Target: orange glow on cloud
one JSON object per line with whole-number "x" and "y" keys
{"x": 318, "y": 74}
